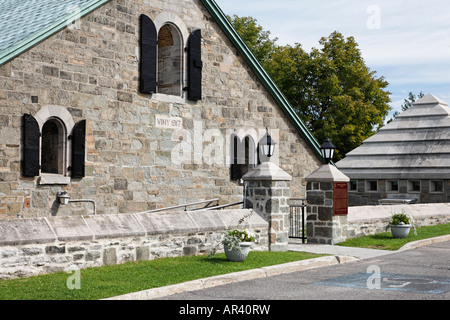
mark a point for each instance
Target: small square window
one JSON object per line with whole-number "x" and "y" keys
{"x": 414, "y": 186}
{"x": 353, "y": 186}
{"x": 392, "y": 185}
{"x": 436, "y": 186}
{"x": 372, "y": 185}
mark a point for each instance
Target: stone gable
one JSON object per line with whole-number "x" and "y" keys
{"x": 133, "y": 162}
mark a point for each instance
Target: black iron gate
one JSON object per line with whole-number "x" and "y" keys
{"x": 297, "y": 228}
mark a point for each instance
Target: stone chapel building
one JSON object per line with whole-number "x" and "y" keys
{"x": 136, "y": 105}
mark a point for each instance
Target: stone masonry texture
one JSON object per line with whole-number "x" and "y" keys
{"x": 93, "y": 72}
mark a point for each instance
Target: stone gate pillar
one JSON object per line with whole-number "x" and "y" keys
{"x": 268, "y": 190}
{"x": 327, "y": 200}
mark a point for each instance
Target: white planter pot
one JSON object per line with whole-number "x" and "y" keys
{"x": 400, "y": 230}
{"x": 236, "y": 255}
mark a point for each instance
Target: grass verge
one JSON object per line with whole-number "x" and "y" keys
{"x": 385, "y": 241}
{"x": 109, "y": 281}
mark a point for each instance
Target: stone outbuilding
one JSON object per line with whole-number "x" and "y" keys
{"x": 407, "y": 161}
{"x": 134, "y": 105}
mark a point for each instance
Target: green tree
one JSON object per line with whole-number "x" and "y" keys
{"x": 332, "y": 90}
{"x": 256, "y": 38}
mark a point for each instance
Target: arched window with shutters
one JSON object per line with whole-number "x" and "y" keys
{"x": 171, "y": 59}
{"x": 53, "y": 146}
{"x": 244, "y": 156}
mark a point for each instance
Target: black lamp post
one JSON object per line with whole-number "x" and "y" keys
{"x": 328, "y": 150}
{"x": 267, "y": 145}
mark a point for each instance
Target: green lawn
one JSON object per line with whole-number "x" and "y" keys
{"x": 109, "y": 281}
{"x": 385, "y": 241}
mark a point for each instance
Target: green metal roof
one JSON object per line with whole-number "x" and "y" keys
{"x": 26, "y": 23}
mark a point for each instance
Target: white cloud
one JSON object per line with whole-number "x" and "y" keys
{"x": 411, "y": 47}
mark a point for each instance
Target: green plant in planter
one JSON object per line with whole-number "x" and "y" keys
{"x": 401, "y": 220}
{"x": 234, "y": 238}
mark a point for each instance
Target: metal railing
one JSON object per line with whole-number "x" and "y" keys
{"x": 206, "y": 207}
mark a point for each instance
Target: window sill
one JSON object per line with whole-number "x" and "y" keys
{"x": 161, "y": 97}
{"x": 53, "y": 179}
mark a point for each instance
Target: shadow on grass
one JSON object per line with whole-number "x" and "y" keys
{"x": 382, "y": 236}
{"x": 215, "y": 260}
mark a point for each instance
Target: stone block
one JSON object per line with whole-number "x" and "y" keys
{"x": 55, "y": 249}
{"x": 109, "y": 257}
{"x": 207, "y": 220}
{"x": 164, "y": 223}
{"x": 252, "y": 219}
{"x": 315, "y": 198}
{"x": 142, "y": 253}
{"x": 25, "y": 231}
{"x": 120, "y": 184}
{"x": 113, "y": 226}
{"x": 325, "y": 213}
{"x": 70, "y": 228}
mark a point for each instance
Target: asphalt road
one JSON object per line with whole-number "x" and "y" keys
{"x": 420, "y": 274}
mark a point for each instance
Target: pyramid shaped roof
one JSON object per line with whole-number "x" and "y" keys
{"x": 416, "y": 145}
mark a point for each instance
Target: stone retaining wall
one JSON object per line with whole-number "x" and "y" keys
{"x": 43, "y": 245}
{"x": 374, "y": 219}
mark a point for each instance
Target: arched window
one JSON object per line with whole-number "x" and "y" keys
{"x": 53, "y": 151}
{"x": 170, "y": 60}
{"x": 165, "y": 67}
{"x": 244, "y": 156}
{"x": 53, "y": 146}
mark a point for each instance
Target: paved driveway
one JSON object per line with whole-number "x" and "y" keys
{"x": 420, "y": 274}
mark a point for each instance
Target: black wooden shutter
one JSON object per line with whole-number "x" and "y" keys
{"x": 195, "y": 65}
{"x": 236, "y": 167}
{"x": 78, "y": 149}
{"x": 149, "y": 55}
{"x": 31, "y": 146}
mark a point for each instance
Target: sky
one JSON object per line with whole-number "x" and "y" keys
{"x": 405, "y": 41}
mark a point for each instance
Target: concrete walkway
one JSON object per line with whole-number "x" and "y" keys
{"x": 339, "y": 254}
{"x": 361, "y": 253}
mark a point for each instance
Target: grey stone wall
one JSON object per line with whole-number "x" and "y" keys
{"x": 43, "y": 245}
{"x": 93, "y": 71}
{"x": 367, "y": 220}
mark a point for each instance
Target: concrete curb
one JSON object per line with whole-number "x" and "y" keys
{"x": 263, "y": 272}
{"x": 424, "y": 242}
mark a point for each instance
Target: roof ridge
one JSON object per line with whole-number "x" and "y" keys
{"x": 430, "y": 99}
